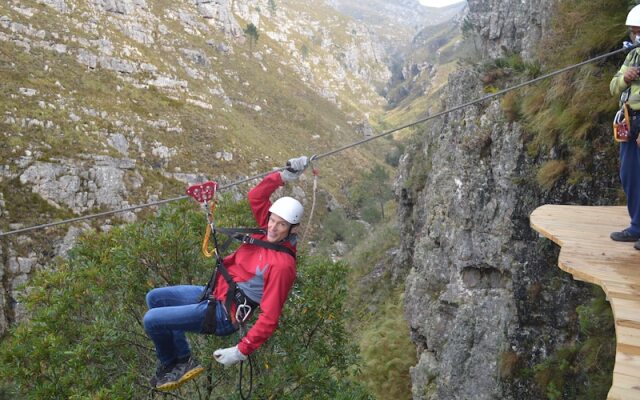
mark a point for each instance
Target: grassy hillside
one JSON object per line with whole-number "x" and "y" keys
{"x": 183, "y": 92}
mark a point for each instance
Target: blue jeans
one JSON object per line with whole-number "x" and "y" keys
{"x": 174, "y": 310}
{"x": 630, "y": 174}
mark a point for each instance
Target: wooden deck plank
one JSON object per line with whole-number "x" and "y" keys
{"x": 628, "y": 382}
{"x": 617, "y": 393}
{"x": 590, "y": 255}
{"x": 625, "y": 369}
{"x": 625, "y": 360}
{"x": 629, "y": 335}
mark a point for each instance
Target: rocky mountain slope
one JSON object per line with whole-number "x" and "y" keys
{"x": 395, "y": 22}
{"x": 484, "y": 298}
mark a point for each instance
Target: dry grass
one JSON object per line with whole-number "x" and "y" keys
{"x": 550, "y": 172}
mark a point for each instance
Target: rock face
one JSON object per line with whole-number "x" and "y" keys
{"x": 481, "y": 287}
{"x": 508, "y": 26}
{"x": 478, "y": 288}
{"x": 220, "y": 12}
{"x": 79, "y": 187}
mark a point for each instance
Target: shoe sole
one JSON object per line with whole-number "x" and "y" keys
{"x": 184, "y": 378}
{"x": 623, "y": 237}
{"x": 629, "y": 240}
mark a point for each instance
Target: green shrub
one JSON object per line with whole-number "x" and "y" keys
{"x": 582, "y": 369}
{"x": 338, "y": 227}
{"x": 84, "y": 338}
{"x": 388, "y": 353}
{"x": 393, "y": 156}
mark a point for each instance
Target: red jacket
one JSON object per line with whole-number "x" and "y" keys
{"x": 265, "y": 275}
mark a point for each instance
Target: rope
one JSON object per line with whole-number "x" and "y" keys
{"x": 243, "y": 332}
{"x": 340, "y": 149}
{"x": 313, "y": 202}
{"x": 482, "y": 99}
{"x": 240, "y": 378}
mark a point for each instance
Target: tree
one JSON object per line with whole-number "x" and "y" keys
{"x": 304, "y": 50}
{"x": 252, "y": 32}
{"x": 371, "y": 193}
{"x": 468, "y": 31}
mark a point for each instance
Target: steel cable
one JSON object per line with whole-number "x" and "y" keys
{"x": 335, "y": 151}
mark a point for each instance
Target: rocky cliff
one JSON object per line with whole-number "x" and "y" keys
{"x": 506, "y": 27}
{"x": 484, "y": 297}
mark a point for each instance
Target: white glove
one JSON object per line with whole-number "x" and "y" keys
{"x": 295, "y": 167}
{"x": 229, "y": 356}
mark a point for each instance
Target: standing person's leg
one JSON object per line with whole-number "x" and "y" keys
{"x": 630, "y": 179}
{"x": 633, "y": 200}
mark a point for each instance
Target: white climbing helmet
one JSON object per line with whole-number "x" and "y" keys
{"x": 633, "y": 18}
{"x": 288, "y": 209}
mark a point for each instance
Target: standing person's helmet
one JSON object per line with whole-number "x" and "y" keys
{"x": 633, "y": 18}
{"x": 288, "y": 209}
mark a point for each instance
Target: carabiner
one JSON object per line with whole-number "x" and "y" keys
{"x": 242, "y": 312}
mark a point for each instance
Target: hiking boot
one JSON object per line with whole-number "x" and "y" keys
{"x": 181, "y": 373}
{"x": 625, "y": 236}
{"x": 161, "y": 370}
{"x": 637, "y": 245}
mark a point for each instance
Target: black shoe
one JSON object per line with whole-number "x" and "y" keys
{"x": 637, "y": 245}
{"x": 180, "y": 374}
{"x": 161, "y": 370}
{"x": 624, "y": 236}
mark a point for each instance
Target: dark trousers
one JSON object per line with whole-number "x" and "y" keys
{"x": 630, "y": 173}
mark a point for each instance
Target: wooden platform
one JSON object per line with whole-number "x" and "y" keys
{"x": 590, "y": 255}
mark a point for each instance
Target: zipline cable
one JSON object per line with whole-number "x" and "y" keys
{"x": 487, "y": 97}
{"x": 338, "y": 150}
{"x": 121, "y": 210}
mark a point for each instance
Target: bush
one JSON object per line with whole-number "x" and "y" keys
{"x": 85, "y": 337}
{"x": 583, "y": 369}
{"x": 550, "y": 172}
{"x": 337, "y": 227}
{"x": 388, "y": 353}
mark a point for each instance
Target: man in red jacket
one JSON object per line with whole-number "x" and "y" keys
{"x": 263, "y": 274}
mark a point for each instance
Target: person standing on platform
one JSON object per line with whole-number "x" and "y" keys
{"x": 626, "y": 85}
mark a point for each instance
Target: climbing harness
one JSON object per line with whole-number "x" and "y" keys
{"x": 205, "y": 194}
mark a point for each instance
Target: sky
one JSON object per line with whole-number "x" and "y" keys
{"x": 439, "y": 3}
